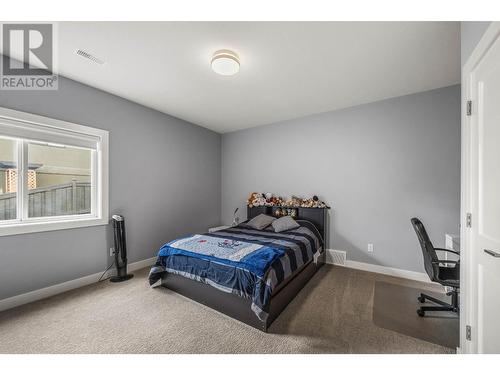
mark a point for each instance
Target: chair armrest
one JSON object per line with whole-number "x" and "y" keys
{"x": 446, "y": 261}
{"x": 448, "y": 250}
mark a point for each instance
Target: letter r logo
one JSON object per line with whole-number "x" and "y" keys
{"x": 28, "y": 49}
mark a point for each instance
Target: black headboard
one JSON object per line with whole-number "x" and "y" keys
{"x": 317, "y": 216}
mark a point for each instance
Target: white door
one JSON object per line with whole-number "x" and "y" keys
{"x": 484, "y": 88}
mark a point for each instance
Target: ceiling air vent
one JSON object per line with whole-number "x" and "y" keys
{"x": 89, "y": 56}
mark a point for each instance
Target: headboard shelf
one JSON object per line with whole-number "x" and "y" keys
{"x": 316, "y": 215}
{"x": 291, "y": 207}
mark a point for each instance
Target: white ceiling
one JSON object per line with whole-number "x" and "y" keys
{"x": 288, "y": 70}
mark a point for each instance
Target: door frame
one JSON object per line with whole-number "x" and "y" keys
{"x": 468, "y": 277}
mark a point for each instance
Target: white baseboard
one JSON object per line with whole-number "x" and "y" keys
{"x": 52, "y": 290}
{"x": 141, "y": 264}
{"x": 397, "y": 272}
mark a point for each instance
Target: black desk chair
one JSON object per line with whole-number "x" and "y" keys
{"x": 447, "y": 276}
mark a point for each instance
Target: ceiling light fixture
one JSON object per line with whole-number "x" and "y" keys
{"x": 225, "y": 62}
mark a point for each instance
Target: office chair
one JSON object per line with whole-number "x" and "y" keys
{"x": 446, "y": 276}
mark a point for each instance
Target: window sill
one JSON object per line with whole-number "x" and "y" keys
{"x": 45, "y": 226}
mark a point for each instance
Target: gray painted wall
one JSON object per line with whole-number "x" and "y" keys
{"x": 470, "y": 34}
{"x": 164, "y": 177}
{"x": 377, "y": 165}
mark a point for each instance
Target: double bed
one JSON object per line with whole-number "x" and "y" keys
{"x": 243, "y": 272}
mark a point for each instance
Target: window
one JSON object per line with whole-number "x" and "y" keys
{"x": 8, "y": 179}
{"x": 53, "y": 174}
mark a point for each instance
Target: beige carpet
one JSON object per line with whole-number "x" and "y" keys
{"x": 332, "y": 314}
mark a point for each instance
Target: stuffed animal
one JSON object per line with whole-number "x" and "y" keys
{"x": 256, "y": 200}
{"x": 268, "y": 199}
{"x": 273, "y": 201}
{"x": 294, "y": 201}
{"x": 251, "y": 198}
{"x": 277, "y": 201}
{"x": 315, "y": 202}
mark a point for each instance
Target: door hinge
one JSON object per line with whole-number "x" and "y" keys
{"x": 468, "y": 333}
{"x": 469, "y": 107}
{"x": 468, "y": 220}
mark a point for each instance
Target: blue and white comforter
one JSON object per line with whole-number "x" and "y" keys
{"x": 248, "y": 262}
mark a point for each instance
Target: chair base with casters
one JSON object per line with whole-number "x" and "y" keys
{"x": 442, "y": 306}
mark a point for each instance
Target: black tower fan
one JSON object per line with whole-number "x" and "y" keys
{"x": 120, "y": 250}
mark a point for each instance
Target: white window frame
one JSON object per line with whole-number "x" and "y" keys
{"x": 99, "y": 179}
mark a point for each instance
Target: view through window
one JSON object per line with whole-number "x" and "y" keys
{"x": 8, "y": 179}
{"x": 59, "y": 180}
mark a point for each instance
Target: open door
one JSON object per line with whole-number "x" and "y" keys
{"x": 481, "y": 184}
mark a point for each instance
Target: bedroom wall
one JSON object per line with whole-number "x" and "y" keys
{"x": 377, "y": 165}
{"x": 164, "y": 178}
{"x": 470, "y": 34}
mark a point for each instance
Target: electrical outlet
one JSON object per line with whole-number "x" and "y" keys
{"x": 370, "y": 248}
{"x": 111, "y": 251}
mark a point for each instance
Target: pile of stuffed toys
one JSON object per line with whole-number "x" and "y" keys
{"x": 268, "y": 199}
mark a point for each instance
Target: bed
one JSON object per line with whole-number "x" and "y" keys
{"x": 248, "y": 274}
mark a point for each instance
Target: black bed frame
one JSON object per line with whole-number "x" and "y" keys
{"x": 240, "y": 308}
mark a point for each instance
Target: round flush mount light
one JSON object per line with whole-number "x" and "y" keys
{"x": 225, "y": 62}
